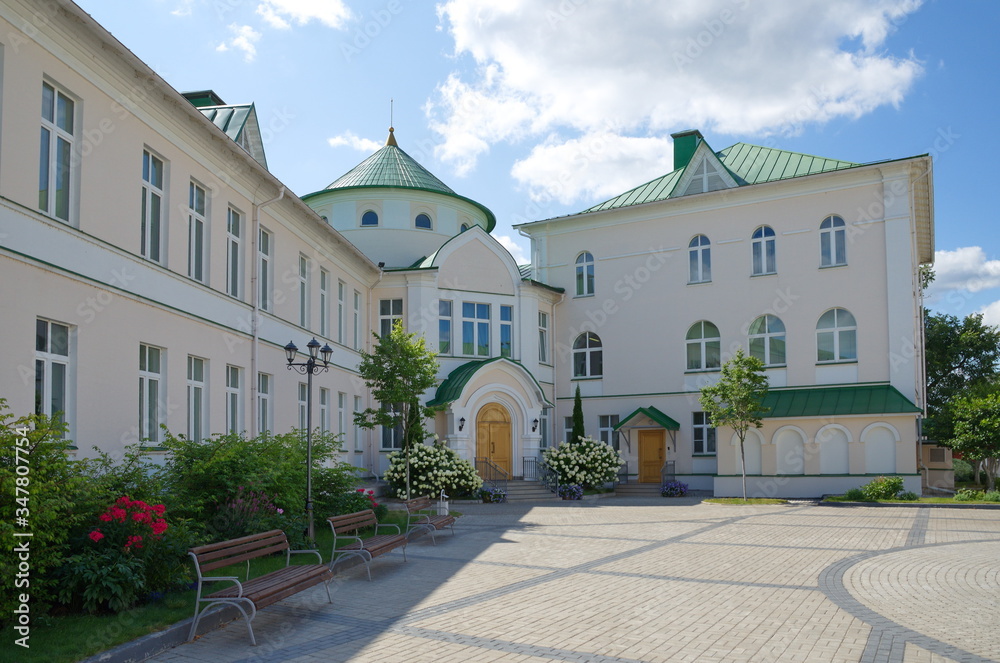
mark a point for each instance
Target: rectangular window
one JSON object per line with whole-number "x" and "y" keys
{"x": 196, "y": 232}
{"x": 567, "y": 428}
{"x": 52, "y": 364}
{"x": 55, "y": 169}
{"x": 196, "y": 398}
{"x": 606, "y": 430}
{"x": 341, "y": 414}
{"x": 324, "y": 303}
{"x": 357, "y": 320}
{"x": 475, "y": 329}
{"x": 703, "y": 435}
{"x": 357, "y": 429}
{"x": 150, "y": 378}
{"x": 392, "y": 438}
{"x": 234, "y": 255}
{"x": 234, "y": 400}
{"x": 543, "y": 429}
{"x": 341, "y": 290}
{"x": 264, "y": 270}
{"x": 303, "y": 291}
{"x": 303, "y": 406}
{"x": 444, "y": 327}
{"x": 543, "y": 337}
{"x": 263, "y": 403}
{"x": 152, "y": 223}
{"x": 324, "y": 409}
{"x": 389, "y": 310}
{"x": 506, "y": 331}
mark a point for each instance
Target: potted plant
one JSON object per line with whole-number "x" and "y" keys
{"x": 571, "y": 491}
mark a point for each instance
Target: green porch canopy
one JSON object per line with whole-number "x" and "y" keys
{"x": 652, "y": 413}
{"x": 838, "y": 400}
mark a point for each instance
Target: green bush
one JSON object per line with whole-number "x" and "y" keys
{"x": 855, "y": 495}
{"x": 587, "y": 462}
{"x": 433, "y": 468}
{"x": 964, "y": 471}
{"x": 358, "y": 500}
{"x": 908, "y": 496}
{"x": 992, "y": 496}
{"x": 882, "y": 488}
{"x": 967, "y": 495}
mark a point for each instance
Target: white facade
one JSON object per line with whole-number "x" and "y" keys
{"x": 154, "y": 269}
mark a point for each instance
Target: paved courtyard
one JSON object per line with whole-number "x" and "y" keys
{"x": 643, "y": 579}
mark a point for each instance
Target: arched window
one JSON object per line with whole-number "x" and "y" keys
{"x": 762, "y": 251}
{"x": 832, "y": 242}
{"x": 422, "y": 221}
{"x": 703, "y": 346}
{"x": 369, "y": 218}
{"x": 700, "y": 260}
{"x": 584, "y": 274}
{"x": 767, "y": 340}
{"x": 588, "y": 357}
{"x": 836, "y": 336}
{"x": 463, "y": 227}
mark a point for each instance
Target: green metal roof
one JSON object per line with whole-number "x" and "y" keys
{"x": 837, "y": 400}
{"x": 453, "y": 385}
{"x": 748, "y": 164}
{"x": 652, "y": 413}
{"x": 231, "y": 119}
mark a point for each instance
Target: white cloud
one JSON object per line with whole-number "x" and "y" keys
{"x": 183, "y": 8}
{"x": 348, "y": 139}
{"x": 516, "y": 250}
{"x": 965, "y": 269}
{"x": 282, "y": 13}
{"x": 991, "y": 313}
{"x": 244, "y": 39}
{"x": 566, "y": 66}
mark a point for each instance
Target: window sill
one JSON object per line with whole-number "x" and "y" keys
{"x": 769, "y": 366}
{"x": 837, "y": 363}
{"x": 583, "y": 296}
{"x": 703, "y": 370}
{"x": 704, "y": 455}
{"x": 584, "y": 378}
{"x": 359, "y": 451}
{"x": 843, "y": 264}
{"x": 699, "y": 282}
{"x": 754, "y": 276}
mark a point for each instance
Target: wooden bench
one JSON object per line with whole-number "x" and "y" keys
{"x": 422, "y": 515}
{"x": 251, "y": 595}
{"x": 367, "y": 549}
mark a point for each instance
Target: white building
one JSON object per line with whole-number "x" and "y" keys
{"x": 160, "y": 269}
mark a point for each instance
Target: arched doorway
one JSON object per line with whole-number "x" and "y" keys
{"x": 493, "y": 438}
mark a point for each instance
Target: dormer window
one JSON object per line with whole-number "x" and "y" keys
{"x": 369, "y": 218}
{"x": 706, "y": 178}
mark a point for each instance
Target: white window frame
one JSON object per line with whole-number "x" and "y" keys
{"x": 341, "y": 414}
{"x": 151, "y": 391}
{"x": 446, "y": 340}
{"x": 700, "y": 259}
{"x": 234, "y": 253}
{"x": 394, "y": 437}
{"x": 324, "y": 409}
{"x": 358, "y": 442}
{"x": 57, "y": 146}
{"x": 197, "y": 398}
{"x": 543, "y": 337}
{"x": 506, "y": 331}
{"x": 357, "y": 320}
{"x": 704, "y": 439}
{"x": 588, "y": 347}
{"x": 585, "y": 279}
{"x": 768, "y": 330}
{"x": 341, "y": 293}
{"x": 265, "y": 251}
{"x": 476, "y": 329}
{"x": 303, "y": 400}
{"x": 845, "y": 326}
{"x": 197, "y": 232}
{"x": 304, "y": 270}
{"x": 763, "y": 257}
{"x": 703, "y": 342}
{"x": 544, "y": 428}
{"x": 264, "y": 383}
{"x": 324, "y": 303}
{"x": 832, "y": 242}
{"x": 50, "y": 361}
{"x": 154, "y": 208}
{"x": 389, "y": 310}
{"x": 606, "y": 430}
{"x": 234, "y": 399}
{"x": 567, "y": 428}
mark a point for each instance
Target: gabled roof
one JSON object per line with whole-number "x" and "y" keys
{"x": 748, "y": 164}
{"x": 654, "y": 415}
{"x": 451, "y": 388}
{"x": 837, "y": 400}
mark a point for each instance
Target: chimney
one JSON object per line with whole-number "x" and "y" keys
{"x": 685, "y": 143}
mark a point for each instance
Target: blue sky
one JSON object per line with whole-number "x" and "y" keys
{"x": 540, "y": 108}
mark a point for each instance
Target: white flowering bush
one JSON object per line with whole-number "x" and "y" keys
{"x": 432, "y": 469}
{"x": 588, "y": 462}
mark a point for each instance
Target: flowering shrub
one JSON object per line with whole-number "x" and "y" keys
{"x": 588, "y": 462}
{"x": 674, "y": 489}
{"x": 882, "y": 488}
{"x": 571, "y": 491}
{"x": 432, "y": 469}
{"x": 968, "y": 495}
{"x": 249, "y": 511}
{"x": 494, "y": 495}
{"x": 358, "y": 500}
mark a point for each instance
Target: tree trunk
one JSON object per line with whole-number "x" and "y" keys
{"x": 992, "y": 465}
{"x": 743, "y": 468}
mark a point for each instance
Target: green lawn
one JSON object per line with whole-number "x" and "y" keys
{"x": 70, "y": 638}
{"x": 922, "y": 500}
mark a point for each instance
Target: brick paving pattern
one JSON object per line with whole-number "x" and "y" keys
{"x": 651, "y": 579}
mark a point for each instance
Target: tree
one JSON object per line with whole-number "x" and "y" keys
{"x": 578, "y": 428}
{"x": 977, "y": 432}
{"x": 398, "y": 371}
{"x": 961, "y": 356}
{"x": 737, "y": 400}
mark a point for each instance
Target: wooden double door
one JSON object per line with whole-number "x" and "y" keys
{"x": 493, "y": 435}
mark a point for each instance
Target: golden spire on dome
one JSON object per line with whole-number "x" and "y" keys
{"x": 391, "y": 140}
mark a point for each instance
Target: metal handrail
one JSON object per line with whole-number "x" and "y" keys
{"x": 492, "y": 473}
{"x": 529, "y": 468}
{"x": 667, "y": 472}
{"x": 623, "y": 473}
{"x": 547, "y": 476}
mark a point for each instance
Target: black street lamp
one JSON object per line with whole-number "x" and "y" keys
{"x": 309, "y": 368}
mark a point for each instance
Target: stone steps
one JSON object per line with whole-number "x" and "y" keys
{"x": 528, "y": 490}
{"x": 636, "y": 489}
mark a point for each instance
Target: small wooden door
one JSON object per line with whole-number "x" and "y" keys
{"x": 493, "y": 438}
{"x": 652, "y": 449}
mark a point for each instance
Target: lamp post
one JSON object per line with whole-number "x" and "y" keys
{"x": 309, "y": 368}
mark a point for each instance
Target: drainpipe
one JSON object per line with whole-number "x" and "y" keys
{"x": 254, "y": 320}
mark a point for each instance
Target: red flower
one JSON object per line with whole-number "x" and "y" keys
{"x": 124, "y": 501}
{"x": 140, "y": 517}
{"x": 117, "y": 513}
{"x": 96, "y": 535}
{"x": 135, "y": 541}
{"x": 159, "y": 527}
{"x": 106, "y": 517}
{"x": 158, "y": 509}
